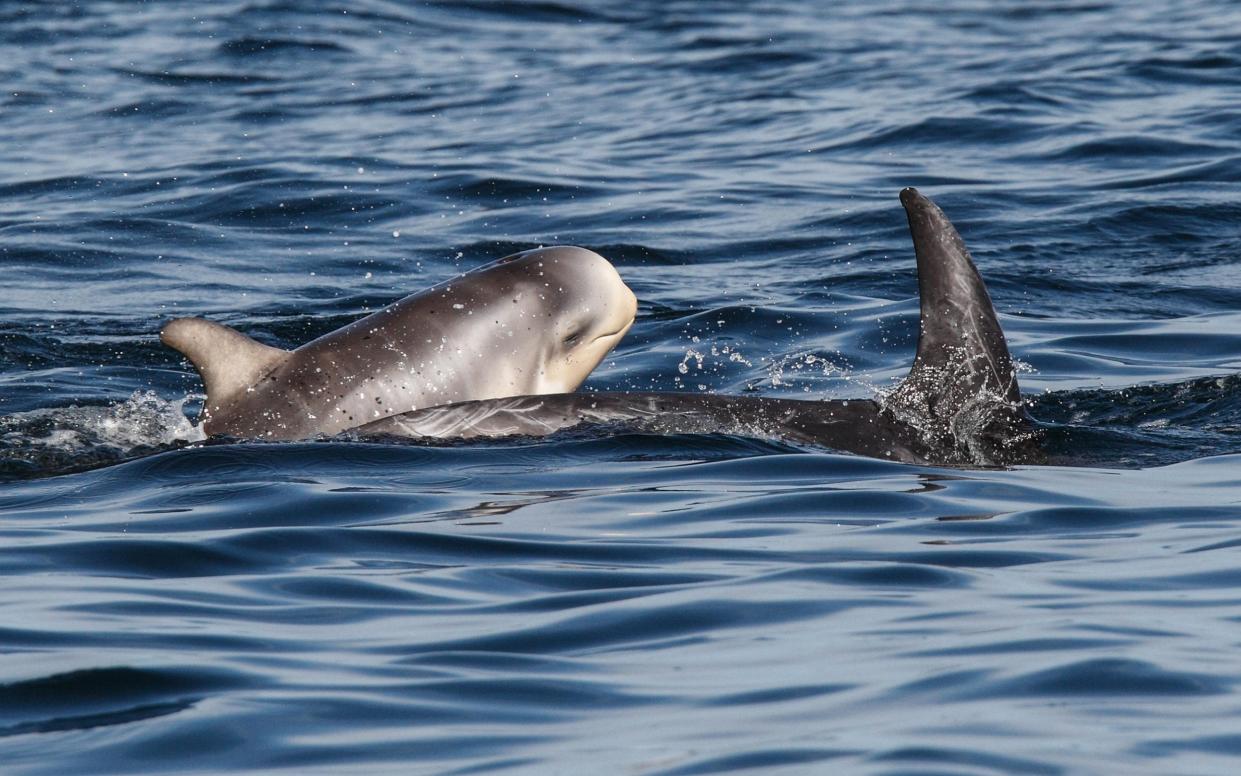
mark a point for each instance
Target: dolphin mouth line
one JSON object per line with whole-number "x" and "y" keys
{"x": 618, "y": 333}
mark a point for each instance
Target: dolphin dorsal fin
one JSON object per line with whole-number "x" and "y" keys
{"x": 961, "y": 395}
{"x": 959, "y": 332}
{"x": 228, "y": 361}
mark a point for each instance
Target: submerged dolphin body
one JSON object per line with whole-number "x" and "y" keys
{"x": 535, "y": 322}
{"x": 959, "y": 405}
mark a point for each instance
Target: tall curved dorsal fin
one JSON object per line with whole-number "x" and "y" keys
{"x": 228, "y": 361}
{"x": 961, "y": 395}
{"x": 959, "y": 330}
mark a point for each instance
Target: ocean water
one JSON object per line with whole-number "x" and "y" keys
{"x": 598, "y": 602}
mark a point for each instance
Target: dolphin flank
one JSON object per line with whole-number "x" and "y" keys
{"x": 960, "y": 404}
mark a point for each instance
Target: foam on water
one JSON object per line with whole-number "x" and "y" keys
{"x": 54, "y": 440}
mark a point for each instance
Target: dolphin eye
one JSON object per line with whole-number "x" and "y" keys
{"x": 573, "y": 336}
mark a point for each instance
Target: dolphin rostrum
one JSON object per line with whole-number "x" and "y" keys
{"x": 535, "y": 322}
{"x": 959, "y": 405}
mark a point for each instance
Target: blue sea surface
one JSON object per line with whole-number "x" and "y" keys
{"x": 601, "y": 602}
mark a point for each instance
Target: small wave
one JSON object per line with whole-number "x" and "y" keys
{"x": 166, "y": 78}
{"x": 1216, "y": 171}
{"x": 1204, "y": 67}
{"x": 1145, "y": 425}
{"x": 532, "y": 11}
{"x": 944, "y": 131}
{"x": 98, "y": 697}
{"x": 249, "y": 46}
{"x": 626, "y": 254}
{"x": 147, "y": 109}
{"x": 1136, "y": 148}
{"x": 497, "y": 190}
{"x": 750, "y": 62}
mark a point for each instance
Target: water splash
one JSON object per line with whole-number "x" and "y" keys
{"x": 952, "y": 411}
{"x": 56, "y": 440}
{"x": 811, "y": 366}
{"x": 708, "y": 362}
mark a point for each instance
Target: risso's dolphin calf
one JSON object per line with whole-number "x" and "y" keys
{"x": 959, "y": 405}
{"x": 535, "y": 322}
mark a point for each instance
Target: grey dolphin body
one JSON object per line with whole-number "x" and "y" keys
{"x": 959, "y": 405}
{"x": 535, "y": 322}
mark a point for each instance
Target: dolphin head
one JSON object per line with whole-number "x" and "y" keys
{"x": 541, "y": 319}
{"x": 583, "y": 309}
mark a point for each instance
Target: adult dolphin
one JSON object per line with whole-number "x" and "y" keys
{"x": 959, "y": 405}
{"x": 534, "y": 322}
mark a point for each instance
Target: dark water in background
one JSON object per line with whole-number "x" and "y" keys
{"x": 591, "y": 603}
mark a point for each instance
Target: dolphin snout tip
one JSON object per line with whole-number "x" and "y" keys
{"x": 910, "y": 196}
{"x": 629, "y": 302}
